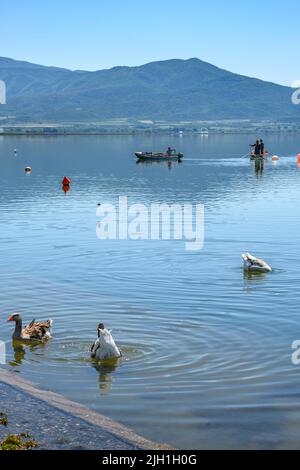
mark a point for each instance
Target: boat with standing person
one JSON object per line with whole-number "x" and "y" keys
{"x": 259, "y": 151}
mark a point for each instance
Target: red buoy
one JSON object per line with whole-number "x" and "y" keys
{"x": 66, "y": 181}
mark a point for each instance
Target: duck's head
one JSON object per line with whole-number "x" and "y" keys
{"x": 14, "y": 317}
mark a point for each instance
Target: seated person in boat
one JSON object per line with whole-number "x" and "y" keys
{"x": 257, "y": 148}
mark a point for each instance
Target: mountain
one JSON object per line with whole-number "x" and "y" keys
{"x": 168, "y": 90}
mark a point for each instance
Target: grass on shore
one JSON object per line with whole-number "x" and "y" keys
{"x": 16, "y": 441}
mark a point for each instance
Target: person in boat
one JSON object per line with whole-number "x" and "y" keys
{"x": 257, "y": 148}
{"x": 169, "y": 151}
{"x": 262, "y": 147}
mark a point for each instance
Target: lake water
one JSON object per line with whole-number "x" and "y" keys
{"x": 207, "y": 349}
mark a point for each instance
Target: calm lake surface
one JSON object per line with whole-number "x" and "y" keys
{"x": 208, "y": 350}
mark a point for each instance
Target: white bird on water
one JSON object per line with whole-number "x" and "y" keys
{"x": 104, "y": 347}
{"x": 253, "y": 264}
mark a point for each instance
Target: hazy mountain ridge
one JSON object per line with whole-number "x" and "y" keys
{"x": 173, "y": 89}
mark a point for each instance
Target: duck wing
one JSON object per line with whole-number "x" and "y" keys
{"x": 95, "y": 348}
{"x": 37, "y": 330}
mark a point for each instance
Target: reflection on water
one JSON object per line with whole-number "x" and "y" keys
{"x": 66, "y": 188}
{"x": 105, "y": 370}
{"x": 19, "y": 354}
{"x": 254, "y": 276}
{"x": 259, "y": 166}
{"x": 20, "y": 349}
{"x": 167, "y": 163}
{"x": 207, "y": 347}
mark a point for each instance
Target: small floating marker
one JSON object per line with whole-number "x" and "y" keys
{"x": 298, "y": 158}
{"x": 275, "y": 158}
{"x": 28, "y": 169}
{"x": 66, "y": 181}
{"x": 66, "y": 184}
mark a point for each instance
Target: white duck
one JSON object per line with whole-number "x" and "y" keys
{"x": 104, "y": 347}
{"x": 35, "y": 331}
{"x": 255, "y": 264}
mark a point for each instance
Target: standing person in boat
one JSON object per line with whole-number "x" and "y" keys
{"x": 262, "y": 147}
{"x": 257, "y": 149}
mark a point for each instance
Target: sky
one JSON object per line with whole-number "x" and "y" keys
{"x": 258, "y": 38}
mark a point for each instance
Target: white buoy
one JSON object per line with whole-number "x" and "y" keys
{"x": 275, "y": 158}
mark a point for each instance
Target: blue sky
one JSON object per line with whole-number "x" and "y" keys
{"x": 256, "y": 38}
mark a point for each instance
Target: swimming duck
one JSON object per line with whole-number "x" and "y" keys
{"x": 104, "y": 347}
{"x": 255, "y": 265}
{"x": 35, "y": 331}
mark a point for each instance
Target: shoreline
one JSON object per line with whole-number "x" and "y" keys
{"x": 151, "y": 133}
{"x": 59, "y": 423}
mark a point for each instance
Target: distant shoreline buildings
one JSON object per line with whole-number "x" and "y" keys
{"x": 131, "y": 127}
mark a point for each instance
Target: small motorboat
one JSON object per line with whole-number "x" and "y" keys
{"x": 170, "y": 154}
{"x": 256, "y": 265}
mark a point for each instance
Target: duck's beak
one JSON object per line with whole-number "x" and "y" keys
{"x": 10, "y": 318}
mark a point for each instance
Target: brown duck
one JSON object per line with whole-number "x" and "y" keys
{"x": 35, "y": 331}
